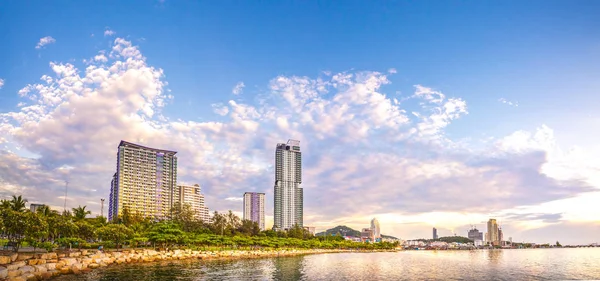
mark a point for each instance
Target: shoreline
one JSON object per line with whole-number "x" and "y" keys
{"x": 44, "y": 266}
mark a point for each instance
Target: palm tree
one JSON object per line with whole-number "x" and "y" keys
{"x": 18, "y": 203}
{"x": 5, "y": 204}
{"x": 80, "y": 212}
{"x": 45, "y": 211}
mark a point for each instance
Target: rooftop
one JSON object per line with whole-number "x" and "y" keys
{"x": 130, "y": 144}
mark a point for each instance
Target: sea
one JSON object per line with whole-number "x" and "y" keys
{"x": 508, "y": 264}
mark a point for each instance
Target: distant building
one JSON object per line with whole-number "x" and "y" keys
{"x": 192, "y": 196}
{"x": 366, "y": 235}
{"x": 144, "y": 182}
{"x": 288, "y": 193}
{"x": 34, "y": 207}
{"x": 492, "y": 233}
{"x": 375, "y": 229}
{"x": 500, "y": 236}
{"x": 254, "y": 208}
{"x": 435, "y": 234}
{"x": 310, "y": 229}
{"x": 475, "y": 235}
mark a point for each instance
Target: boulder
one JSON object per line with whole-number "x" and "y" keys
{"x": 27, "y": 269}
{"x": 31, "y": 277}
{"x": 18, "y": 278}
{"x": 36, "y": 261}
{"x": 65, "y": 270}
{"x": 46, "y": 275}
{"x": 40, "y": 268}
{"x": 15, "y": 265}
{"x": 22, "y": 257}
{"x": 5, "y": 260}
{"x": 51, "y": 266}
{"x": 3, "y": 272}
{"x": 13, "y": 273}
{"x": 93, "y": 265}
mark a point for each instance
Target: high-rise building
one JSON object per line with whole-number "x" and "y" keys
{"x": 475, "y": 235}
{"x": 492, "y": 232}
{"x": 375, "y": 229}
{"x": 435, "y": 235}
{"x": 366, "y": 235}
{"x": 254, "y": 208}
{"x": 34, "y": 207}
{"x": 288, "y": 193}
{"x": 144, "y": 182}
{"x": 192, "y": 196}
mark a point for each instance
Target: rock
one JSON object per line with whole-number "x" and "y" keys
{"x": 46, "y": 275}
{"x": 5, "y": 260}
{"x": 65, "y": 270}
{"x": 40, "y": 268}
{"x": 27, "y": 269}
{"x": 51, "y": 266}
{"x": 18, "y": 278}
{"x": 31, "y": 277}
{"x": 22, "y": 257}
{"x": 13, "y": 256}
{"x": 93, "y": 265}
{"x": 36, "y": 261}
{"x": 15, "y": 265}
{"x": 3, "y": 272}
{"x": 13, "y": 273}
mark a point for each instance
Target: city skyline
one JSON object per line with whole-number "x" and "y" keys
{"x": 425, "y": 116}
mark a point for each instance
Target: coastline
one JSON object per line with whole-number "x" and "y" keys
{"x": 43, "y": 266}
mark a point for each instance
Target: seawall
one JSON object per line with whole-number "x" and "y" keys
{"x": 41, "y": 266}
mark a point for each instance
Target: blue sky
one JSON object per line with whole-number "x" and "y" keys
{"x": 492, "y": 56}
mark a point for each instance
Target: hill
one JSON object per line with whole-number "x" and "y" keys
{"x": 346, "y": 231}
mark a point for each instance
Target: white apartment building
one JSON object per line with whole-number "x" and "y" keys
{"x": 144, "y": 181}
{"x": 192, "y": 195}
{"x": 288, "y": 193}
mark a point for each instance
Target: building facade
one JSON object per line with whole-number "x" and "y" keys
{"x": 375, "y": 229}
{"x": 288, "y": 193}
{"x": 192, "y": 196}
{"x": 34, "y": 207}
{"x": 144, "y": 183}
{"x": 366, "y": 235}
{"x": 492, "y": 236}
{"x": 475, "y": 235}
{"x": 435, "y": 235}
{"x": 254, "y": 208}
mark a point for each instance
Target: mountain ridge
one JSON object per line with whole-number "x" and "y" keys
{"x": 346, "y": 231}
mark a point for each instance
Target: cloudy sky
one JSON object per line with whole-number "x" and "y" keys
{"x": 441, "y": 115}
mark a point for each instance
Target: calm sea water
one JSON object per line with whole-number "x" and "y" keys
{"x": 532, "y": 264}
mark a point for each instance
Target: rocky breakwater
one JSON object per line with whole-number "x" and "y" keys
{"x": 29, "y": 267}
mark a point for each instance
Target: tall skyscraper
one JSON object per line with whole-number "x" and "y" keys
{"x": 435, "y": 235}
{"x": 376, "y": 229}
{"x": 288, "y": 193}
{"x": 144, "y": 182}
{"x": 254, "y": 208}
{"x": 492, "y": 232}
{"x": 192, "y": 195}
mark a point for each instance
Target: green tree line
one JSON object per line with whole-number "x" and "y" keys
{"x": 48, "y": 229}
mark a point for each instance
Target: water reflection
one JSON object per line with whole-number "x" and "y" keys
{"x": 537, "y": 264}
{"x": 289, "y": 268}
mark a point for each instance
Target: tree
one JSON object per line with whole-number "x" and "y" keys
{"x": 166, "y": 234}
{"x": 185, "y": 216}
{"x": 248, "y": 227}
{"x": 36, "y": 228}
{"x": 18, "y": 203}
{"x": 80, "y": 212}
{"x": 15, "y": 224}
{"x": 558, "y": 244}
{"x": 218, "y": 223}
{"x": 115, "y": 232}
{"x": 46, "y": 211}
{"x": 85, "y": 230}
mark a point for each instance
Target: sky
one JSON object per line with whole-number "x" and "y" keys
{"x": 419, "y": 113}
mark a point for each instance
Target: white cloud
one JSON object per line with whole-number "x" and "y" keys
{"x": 45, "y": 41}
{"x": 392, "y": 71}
{"x": 1, "y": 83}
{"x": 507, "y": 102}
{"x": 238, "y": 88}
{"x": 235, "y": 199}
{"x": 109, "y": 32}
